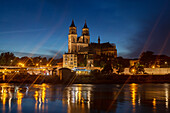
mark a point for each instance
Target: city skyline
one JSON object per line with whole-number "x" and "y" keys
{"x": 41, "y": 27}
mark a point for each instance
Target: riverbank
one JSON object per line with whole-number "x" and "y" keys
{"x": 86, "y": 79}
{"x": 121, "y": 79}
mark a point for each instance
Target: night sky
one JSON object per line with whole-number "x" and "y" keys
{"x": 40, "y": 27}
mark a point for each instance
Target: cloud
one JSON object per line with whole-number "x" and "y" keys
{"x": 22, "y": 54}
{"x": 56, "y": 53}
{"x": 153, "y": 35}
{"x": 21, "y": 31}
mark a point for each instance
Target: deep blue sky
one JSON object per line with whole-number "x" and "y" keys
{"x": 41, "y": 27}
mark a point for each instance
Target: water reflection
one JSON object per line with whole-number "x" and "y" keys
{"x": 40, "y": 98}
{"x": 19, "y": 101}
{"x": 133, "y": 89}
{"x": 85, "y": 98}
{"x": 166, "y": 95}
{"x": 78, "y": 98}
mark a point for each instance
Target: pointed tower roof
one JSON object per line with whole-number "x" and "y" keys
{"x": 85, "y": 25}
{"x": 72, "y": 24}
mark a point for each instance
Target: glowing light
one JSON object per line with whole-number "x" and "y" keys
{"x": 36, "y": 95}
{"x": 19, "y": 97}
{"x": 21, "y": 64}
{"x": 133, "y": 70}
{"x": 153, "y": 66}
{"x": 43, "y": 94}
{"x": 154, "y": 103}
{"x": 133, "y": 88}
{"x": 166, "y": 96}
{"x": 19, "y": 101}
{"x": 4, "y": 96}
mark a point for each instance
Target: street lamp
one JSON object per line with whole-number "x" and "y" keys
{"x": 21, "y": 64}
{"x": 37, "y": 64}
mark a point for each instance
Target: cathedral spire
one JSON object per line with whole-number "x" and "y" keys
{"x": 85, "y": 30}
{"x": 72, "y": 24}
{"x": 85, "y": 25}
{"x": 72, "y": 28}
{"x": 98, "y": 39}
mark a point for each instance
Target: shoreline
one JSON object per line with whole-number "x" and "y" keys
{"x": 87, "y": 79}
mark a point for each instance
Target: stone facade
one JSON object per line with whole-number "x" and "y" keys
{"x": 151, "y": 71}
{"x": 86, "y": 53}
{"x": 69, "y": 60}
{"x": 76, "y": 43}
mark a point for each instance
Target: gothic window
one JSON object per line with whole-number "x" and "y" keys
{"x": 86, "y": 40}
{"x": 73, "y": 40}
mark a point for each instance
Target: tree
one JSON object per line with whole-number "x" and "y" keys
{"x": 119, "y": 68}
{"x": 36, "y": 60}
{"x": 7, "y": 59}
{"x": 107, "y": 68}
{"x": 137, "y": 69}
{"x": 44, "y": 61}
{"x": 147, "y": 58}
{"x": 82, "y": 60}
{"x": 26, "y": 61}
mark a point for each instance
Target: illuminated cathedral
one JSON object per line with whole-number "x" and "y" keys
{"x": 83, "y": 53}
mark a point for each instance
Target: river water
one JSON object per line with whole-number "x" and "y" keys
{"x": 85, "y": 98}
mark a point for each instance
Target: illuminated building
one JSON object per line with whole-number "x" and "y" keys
{"x": 76, "y": 43}
{"x": 69, "y": 60}
{"x": 83, "y": 53}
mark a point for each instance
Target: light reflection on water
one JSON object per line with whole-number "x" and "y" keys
{"x": 133, "y": 98}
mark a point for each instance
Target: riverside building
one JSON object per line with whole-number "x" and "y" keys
{"x": 82, "y": 53}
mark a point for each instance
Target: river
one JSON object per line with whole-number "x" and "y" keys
{"x": 84, "y": 98}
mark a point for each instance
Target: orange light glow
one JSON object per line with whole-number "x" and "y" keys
{"x": 133, "y": 88}
{"x": 154, "y": 103}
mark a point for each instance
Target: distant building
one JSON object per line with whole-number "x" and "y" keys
{"x": 70, "y": 60}
{"x": 133, "y": 62}
{"x": 83, "y": 53}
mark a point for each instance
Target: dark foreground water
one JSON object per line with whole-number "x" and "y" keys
{"x": 81, "y": 98}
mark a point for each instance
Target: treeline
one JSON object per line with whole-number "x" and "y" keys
{"x": 149, "y": 60}
{"x": 9, "y": 59}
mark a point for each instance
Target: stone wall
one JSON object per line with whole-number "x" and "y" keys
{"x": 152, "y": 71}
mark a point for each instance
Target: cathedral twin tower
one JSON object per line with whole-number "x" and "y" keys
{"x": 76, "y": 43}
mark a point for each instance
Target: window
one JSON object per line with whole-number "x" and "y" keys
{"x": 86, "y": 40}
